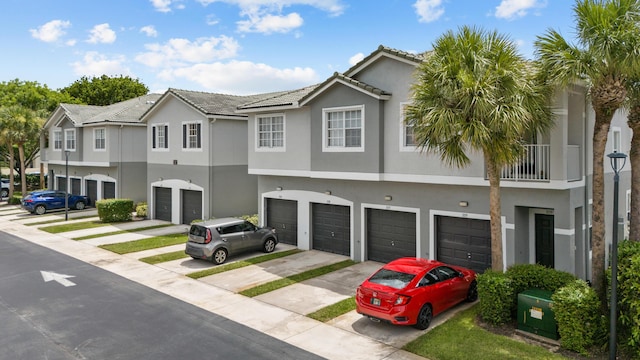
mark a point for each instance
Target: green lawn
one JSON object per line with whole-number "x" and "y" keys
{"x": 333, "y": 311}
{"x": 56, "y": 229}
{"x": 121, "y": 232}
{"x": 58, "y": 220}
{"x": 241, "y": 263}
{"x": 146, "y": 244}
{"x": 156, "y": 259}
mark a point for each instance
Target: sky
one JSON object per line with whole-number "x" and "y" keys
{"x": 242, "y": 46}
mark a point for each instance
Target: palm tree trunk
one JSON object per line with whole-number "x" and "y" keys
{"x": 601, "y": 130}
{"x": 634, "y": 159}
{"x": 495, "y": 213}
{"x": 23, "y": 175}
{"x": 11, "y": 165}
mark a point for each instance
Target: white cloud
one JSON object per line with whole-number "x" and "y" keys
{"x": 101, "y": 33}
{"x": 51, "y": 31}
{"x": 149, "y": 30}
{"x": 71, "y": 42}
{"x": 429, "y": 10}
{"x": 178, "y": 52}
{"x": 212, "y": 19}
{"x": 511, "y": 9}
{"x": 242, "y": 77}
{"x": 356, "y": 58}
{"x": 333, "y": 7}
{"x": 161, "y": 5}
{"x": 96, "y": 64}
{"x": 271, "y": 23}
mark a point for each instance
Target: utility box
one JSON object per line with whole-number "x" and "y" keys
{"x": 535, "y": 313}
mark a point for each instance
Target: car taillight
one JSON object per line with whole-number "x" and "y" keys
{"x": 207, "y": 239}
{"x": 402, "y": 300}
{"x": 28, "y": 200}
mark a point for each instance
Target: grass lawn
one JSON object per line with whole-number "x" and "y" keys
{"x": 57, "y": 220}
{"x": 146, "y": 244}
{"x": 461, "y": 339}
{"x": 56, "y": 229}
{"x": 289, "y": 280}
{"x": 121, "y": 232}
{"x": 242, "y": 263}
{"x": 333, "y": 311}
{"x": 156, "y": 259}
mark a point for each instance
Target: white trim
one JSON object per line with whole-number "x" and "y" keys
{"x": 80, "y": 163}
{"x": 59, "y": 131}
{"x": 363, "y": 224}
{"x": 344, "y": 148}
{"x": 532, "y": 232}
{"x": 259, "y": 148}
{"x": 65, "y": 140}
{"x": 182, "y": 139}
{"x": 616, "y": 133}
{"x": 403, "y": 130}
{"x": 104, "y": 131}
{"x": 376, "y": 57}
{"x": 157, "y": 148}
{"x": 176, "y": 204}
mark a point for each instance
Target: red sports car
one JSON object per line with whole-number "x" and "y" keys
{"x": 410, "y": 291}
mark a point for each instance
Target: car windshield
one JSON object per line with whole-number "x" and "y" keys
{"x": 391, "y": 278}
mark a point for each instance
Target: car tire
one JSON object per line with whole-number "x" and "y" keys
{"x": 39, "y": 210}
{"x": 80, "y": 205}
{"x": 472, "y": 293}
{"x": 219, "y": 256}
{"x": 269, "y": 245}
{"x": 424, "y": 317}
{"x": 4, "y": 193}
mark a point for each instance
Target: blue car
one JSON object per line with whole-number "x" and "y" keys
{"x": 39, "y": 202}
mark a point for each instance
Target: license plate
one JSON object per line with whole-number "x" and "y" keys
{"x": 375, "y": 301}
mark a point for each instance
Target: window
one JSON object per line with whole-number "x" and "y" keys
{"x": 270, "y": 132}
{"x": 99, "y": 139}
{"x": 343, "y": 129}
{"x": 160, "y": 137}
{"x": 191, "y": 137}
{"x": 70, "y": 139}
{"x": 408, "y": 140}
{"x": 57, "y": 140}
{"x": 616, "y": 139}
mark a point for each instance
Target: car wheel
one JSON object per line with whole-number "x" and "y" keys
{"x": 269, "y": 245}
{"x": 40, "y": 209}
{"x": 219, "y": 256}
{"x": 4, "y": 193}
{"x": 472, "y": 293}
{"x": 424, "y": 317}
{"x": 79, "y": 205}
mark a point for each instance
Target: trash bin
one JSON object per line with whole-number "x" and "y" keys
{"x": 535, "y": 313}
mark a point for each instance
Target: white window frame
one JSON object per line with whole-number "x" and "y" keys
{"x": 403, "y": 130}
{"x": 188, "y": 146}
{"x": 157, "y": 137}
{"x": 271, "y": 147}
{"x": 70, "y": 141}
{"x": 616, "y": 139}
{"x": 104, "y": 139}
{"x": 325, "y": 129}
{"x": 59, "y": 141}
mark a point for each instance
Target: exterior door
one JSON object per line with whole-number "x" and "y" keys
{"x": 544, "y": 240}
{"x": 108, "y": 190}
{"x": 162, "y": 203}
{"x": 92, "y": 191}
{"x": 191, "y": 206}
{"x": 76, "y": 186}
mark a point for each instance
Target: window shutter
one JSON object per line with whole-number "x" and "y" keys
{"x": 166, "y": 136}
{"x": 153, "y": 137}
{"x": 199, "y": 135}
{"x": 184, "y": 136}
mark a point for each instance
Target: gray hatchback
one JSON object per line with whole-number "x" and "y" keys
{"x": 216, "y": 239}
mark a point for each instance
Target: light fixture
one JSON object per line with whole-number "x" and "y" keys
{"x": 328, "y": 192}
{"x": 387, "y": 198}
{"x": 463, "y": 203}
{"x": 279, "y": 188}
{"x": 160, "y": 179}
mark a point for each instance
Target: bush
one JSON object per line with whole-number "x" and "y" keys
{"x": 495, "y": 290}
{"x": 251, "y": 218}
{"x": 15, "y": 200}
{"x": 628, "y": 299}
{"x": 141, "y": 210}
{"x": 577, "y": 311}
{"x": 114, "y": 210}
{"x": 536, "y": 276}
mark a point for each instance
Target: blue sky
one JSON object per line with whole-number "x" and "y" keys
{"x": 242, "y": 46}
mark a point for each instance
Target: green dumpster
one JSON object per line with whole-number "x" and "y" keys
{"x": 535, "y": 313}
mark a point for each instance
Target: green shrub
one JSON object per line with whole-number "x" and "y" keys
{"x": 251, "y": 218}
{"x": 535, "y": 276}
{"x": 141, "y": 210}
{"x": 114, "y": 210}
{"x": 577, "y": 311}
{"x": 495, "y": 290}
{"x": 628, "y": 299}
{"x": 15, "y": 200}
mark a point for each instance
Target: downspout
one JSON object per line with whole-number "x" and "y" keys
{"x": 120, "y": 161}
{"x": 586, "y": 214}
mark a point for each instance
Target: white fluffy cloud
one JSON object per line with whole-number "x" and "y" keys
{"x": 149, "y": 30}
{"x": 51, "y": 31}
{"x": 356, "y": 58}
{"x": 161, "y": 5}
{"x": 271, "y": 23}
{"x": 96, "y": 64}
{"x": 511, "y": 9}
{"x": 178, "y": 52}
{"x": 429, "y": 10}
{"x": 101, "y": 33}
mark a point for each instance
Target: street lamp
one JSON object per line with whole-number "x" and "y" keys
{"x": 614, "y": 157}
{"x": 66, "y": 187}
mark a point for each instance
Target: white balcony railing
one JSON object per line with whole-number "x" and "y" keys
{"x": 534, "y": 165}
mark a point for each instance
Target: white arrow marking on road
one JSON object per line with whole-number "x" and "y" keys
{"x": 59, "y": 278}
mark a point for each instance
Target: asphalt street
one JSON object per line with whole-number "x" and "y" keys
{"x": 55, "y": 307}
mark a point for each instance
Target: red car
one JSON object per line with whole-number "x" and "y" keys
{"x": 410, "y": 291}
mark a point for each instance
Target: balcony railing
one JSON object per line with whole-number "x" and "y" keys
{"x": 533, "y": 165}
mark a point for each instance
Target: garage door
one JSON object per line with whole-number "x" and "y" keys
{"x": 92, "y": 191}
{"x": 282, "y": 215}
{"x": 390, "y": 234}
{"x": 191, "y": 206}
{"x": 162, "y": 197}
{"x": 62, "y": 183}
{"x": 331, "y": 228}
{"x": 76, "y": 186}
{"x": 108, "y": 190}
{"x": 464, "y": 242}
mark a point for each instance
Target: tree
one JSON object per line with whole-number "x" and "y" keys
{"x": 105, "y": 90}
{"x": 633, "y": 120}
{"x": 20, "y": 125}
{"x": 474, "y": 92}
{"x": 605, "y": 55}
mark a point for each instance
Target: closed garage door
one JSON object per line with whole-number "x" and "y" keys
{"x": 163, "y": 203}
{"x": 331, "y": 228}
{"x": 92, "y": 191}
{"x": 282, "y": 215}
{"x": 191, "y": 206}
{"x": 76, "y": 186}
{"x": 62, "y": 183}
{"x": 390, "y": 234}
{"x": 108, "y": 190}
{"x": 464, "y": 242}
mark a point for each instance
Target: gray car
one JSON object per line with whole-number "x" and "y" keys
{"x": 217, "y": 239}
{"x": 4, "y": 190}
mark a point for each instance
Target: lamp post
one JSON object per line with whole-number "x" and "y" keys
{"x": 614, "y": 157}
{"x": 66, "y": 187}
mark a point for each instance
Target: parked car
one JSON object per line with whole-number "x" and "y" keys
{"x": 410, "y": 291}
{"x": 39, "y": 202}
{"x": 4, "y": 190}
{"x": 215, "y": 240}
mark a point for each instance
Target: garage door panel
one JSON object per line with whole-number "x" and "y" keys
{"x": 191, "y": 206}
{"x": 162, "y": 203}
{"x": 282, "y": 215}
{"x": 331, "y": 228}
{"x": 464, "y": 242}
{"x": 390, "y": 234}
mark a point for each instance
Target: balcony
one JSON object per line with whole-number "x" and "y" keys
{"x": 534, "y": 165}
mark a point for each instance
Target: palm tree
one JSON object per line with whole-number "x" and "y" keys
{"x": 474, "y": 92}
{"x": 633, "y": 120}
{"x": 606, "y": 53}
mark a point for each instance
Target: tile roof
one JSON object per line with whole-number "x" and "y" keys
{"x": 128, "y": 111}
{"x": 345, "y": 79}
{"x": 218, "y": 104}
{"x": 284, "y": 98}
{"x": 417, "y": 58}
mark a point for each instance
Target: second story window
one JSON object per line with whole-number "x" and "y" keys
{"x": 408, "y": 140}
{"x": 57, "y": 140}
{"x": 70, "y": 139}
{"x": 271, "y": 131}
{"x": 99, "y": 139}
{"x": 617, "y": 139}
{"x": 343, "y": 129}
{"x": 159, "y": 137}
{"x": 191, "y": 135}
